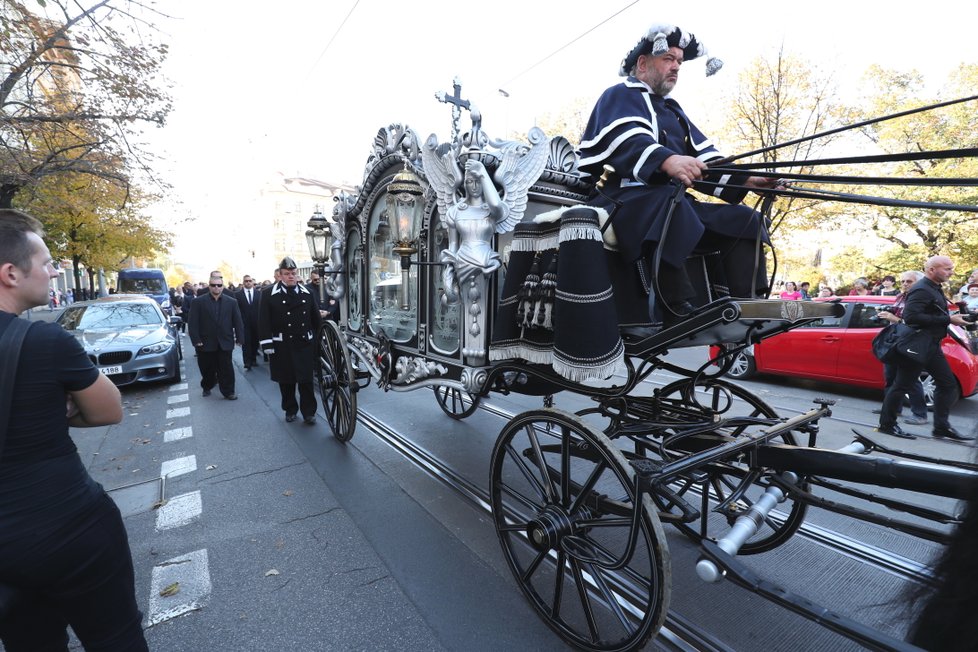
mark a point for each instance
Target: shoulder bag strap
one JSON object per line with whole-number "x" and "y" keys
{"x": 10, "y": 345}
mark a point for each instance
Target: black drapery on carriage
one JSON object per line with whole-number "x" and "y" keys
{"x": 557, "y": 306}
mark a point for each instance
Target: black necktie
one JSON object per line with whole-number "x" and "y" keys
{"x": 249, "y": 297}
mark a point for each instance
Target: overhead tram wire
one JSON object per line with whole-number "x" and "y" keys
{"x": 331, "y": 39}
{"x": 565, "y": 46}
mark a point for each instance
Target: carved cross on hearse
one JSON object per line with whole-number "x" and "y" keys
{"x": 457, "y": 105}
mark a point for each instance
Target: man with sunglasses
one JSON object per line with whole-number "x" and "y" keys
{"x": 215, "y": 327}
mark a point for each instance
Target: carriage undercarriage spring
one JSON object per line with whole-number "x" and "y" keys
{"x": 437, "y": 295}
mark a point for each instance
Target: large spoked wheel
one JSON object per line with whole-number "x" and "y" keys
{"x": 714, "y": 485}
{"x": 456, "y": 403}
{"x": 336, "y": 385}
{"x": 591, "y": 560}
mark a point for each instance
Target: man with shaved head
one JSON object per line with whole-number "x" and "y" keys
{"x": 926, "y": 310}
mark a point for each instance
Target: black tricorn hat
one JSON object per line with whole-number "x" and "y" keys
{"x": 287, "y": 263}
{"x": 659, "y": 39}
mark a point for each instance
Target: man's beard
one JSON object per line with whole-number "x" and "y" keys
{"x": 662, "y": 87}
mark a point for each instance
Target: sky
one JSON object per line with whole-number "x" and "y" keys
{"x": 302, "y": 87}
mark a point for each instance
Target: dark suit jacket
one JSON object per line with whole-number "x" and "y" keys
{"x": 249, "y": 312}
{"x": 926, "y": 309}
{"x": 216, "y": 325}
{"x": 329, "y": 304}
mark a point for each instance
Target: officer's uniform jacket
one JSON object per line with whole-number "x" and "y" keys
{"x": 635, "y": 131}
{"x": 287, "y": 326}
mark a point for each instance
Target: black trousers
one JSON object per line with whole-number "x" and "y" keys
{"x": 738, "y": 270}
{"x": 216, "y": 369}
{"x": 307, "y": 398}
{"x": 918, "y": 402}
{"x": 86, "y": 582}
{"x": 249, "y": 349}
{"x": 907, "y": 373}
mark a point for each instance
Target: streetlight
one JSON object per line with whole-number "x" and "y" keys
{"x": 317, "y": 239}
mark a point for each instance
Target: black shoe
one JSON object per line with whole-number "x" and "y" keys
{"x": 310, "y": 420}
{"x": 232, "y": 397}
{"x": 290, "y": 417}
{"x": 895, "y": 431}
{"x": 206, "y": 392}
{"x": 951, "y": 433}
{"x": 675, "y": 314}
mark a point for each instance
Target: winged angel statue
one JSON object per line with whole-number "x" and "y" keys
{"x": 480, "y": 211}
{"x": 472, "y": 218}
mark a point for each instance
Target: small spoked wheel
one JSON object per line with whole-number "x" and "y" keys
{"x": 591, "y": 559}
{"x": 336, "y": 385}
{"x": 456, "y": 403}
{"x": 715, "y": 486}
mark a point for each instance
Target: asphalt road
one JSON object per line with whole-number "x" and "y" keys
{"x": 281, "y": 538}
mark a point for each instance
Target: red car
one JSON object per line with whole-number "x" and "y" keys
{"x": 839, "y": 350}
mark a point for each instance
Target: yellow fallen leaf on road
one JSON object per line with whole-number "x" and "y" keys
{"x": 272, "y": 572}
{"x": 172, "y": 589}
{"x": 160, "y": 503}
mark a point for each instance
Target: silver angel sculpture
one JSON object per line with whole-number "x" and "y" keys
{"x": 337, "y": 228}
{"x": 473, "y": 217}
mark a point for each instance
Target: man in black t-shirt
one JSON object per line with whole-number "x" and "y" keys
{"x": 63, "y": 544}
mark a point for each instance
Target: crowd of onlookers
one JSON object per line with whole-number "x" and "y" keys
{"x": 863, "y": 286}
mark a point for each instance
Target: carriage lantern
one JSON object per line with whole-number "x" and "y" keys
{"x": 317, "y": 239}
{"x": 405, "y": 207}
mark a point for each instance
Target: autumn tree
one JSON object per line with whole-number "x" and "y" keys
{"x": 917, "y": 233}
{"x": 780, "y": 99}
{"x": 78, "y": 83}
{"x": 93, "y": 221}
{"x": 567, "y": 121}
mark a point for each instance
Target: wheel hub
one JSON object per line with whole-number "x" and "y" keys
{"x": 549, "y": 527}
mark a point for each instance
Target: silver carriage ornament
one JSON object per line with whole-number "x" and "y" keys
{"x": 335, "y": 287}
{"x": 474, "y": 210}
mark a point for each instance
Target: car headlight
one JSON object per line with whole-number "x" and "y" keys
{"x": 165, "y": 304}
{"x": 159, "y": 347}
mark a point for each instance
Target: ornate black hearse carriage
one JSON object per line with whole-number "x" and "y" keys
{"x": 472, "y": 266}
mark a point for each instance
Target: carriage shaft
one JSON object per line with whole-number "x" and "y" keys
{"x": 743, "y": 576}
{"x": 654, "y": 474}
{"x": 922, "y": 477}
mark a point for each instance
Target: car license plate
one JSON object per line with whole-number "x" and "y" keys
{"x": 108, "y": 371}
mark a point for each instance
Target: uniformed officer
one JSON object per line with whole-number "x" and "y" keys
{"x": 288, "y": 321}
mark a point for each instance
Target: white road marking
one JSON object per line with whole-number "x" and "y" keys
{"x": 173, "y": 413}
{"x": 178, "y": 511}
{"x": 179, "y": 466}
{"x": 192, "y": 573}
{"x": 179, "y": 398}
{"x": 179, "y": 387}
{"x": 177, "y": 433}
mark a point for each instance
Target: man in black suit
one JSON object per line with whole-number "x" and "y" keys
{"x": 215, "y": 327}
{"x": 248, "y": 299}
{"x": 926, "y": 310}
{"x": 288, "y": 321}
{"x": 329, "y": 308}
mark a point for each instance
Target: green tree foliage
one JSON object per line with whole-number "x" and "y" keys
{"x": 78, "y": 82}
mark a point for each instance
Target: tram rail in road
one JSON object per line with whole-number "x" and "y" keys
{"x": 677, "y": 633}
